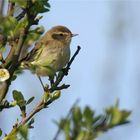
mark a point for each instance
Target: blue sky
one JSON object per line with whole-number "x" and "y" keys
{"x": 107, "y": 67}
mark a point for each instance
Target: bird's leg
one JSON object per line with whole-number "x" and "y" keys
{"x": 41, "y": 82}
{"x": 65, "y": 71}
{"x": 51, "y": 79}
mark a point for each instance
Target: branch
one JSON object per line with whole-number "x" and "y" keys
{"x": 64, "y": 72}
{"x": 15, "y": 57}
{"x": 14, "y": 64}
{"x": 41, "y": 105}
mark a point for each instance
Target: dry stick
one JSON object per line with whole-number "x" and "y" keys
{"x": 67, "y": 116}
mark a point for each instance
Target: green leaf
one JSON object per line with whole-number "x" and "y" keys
{"x": 12, "y": 135}
{"x": 117, "y": 116}
{"x": 7, "y": 26}
{"x": 31, "y": 122}
{"x": 0, "y": 132}
{"x": 125, "y": 115}
{"x": 2, "y": 49}
{"x": 81, "y": 135}
{"x": 14, "y": 77}
{"x": 56, "y": 95}
{"x": 88, "y": 115}
{"x": 30, "y": 100}
{"x": 17, "y": 95}
{"x": 23, "y": 130}
{"x": 21, "y": 24}
{"x": 76, "y": 114}
{"x": 20, "y": 3}
{"x": 40, "y": 7}
{"x": 33, "y": 36}
{"x": 66, "y": 128}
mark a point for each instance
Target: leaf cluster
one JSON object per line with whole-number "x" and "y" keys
{"x": 84, "y": 124}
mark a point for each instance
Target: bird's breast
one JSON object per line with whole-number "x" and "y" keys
{"x": 64, "y": 56}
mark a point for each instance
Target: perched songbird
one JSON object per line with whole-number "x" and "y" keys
{"x": 51, "y": 53}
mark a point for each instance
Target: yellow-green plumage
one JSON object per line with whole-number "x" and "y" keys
{"x": 51, "y": 53}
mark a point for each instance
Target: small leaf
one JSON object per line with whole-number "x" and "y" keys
{"x": 14, "y": 77}
{"x": 12, "y": 135}
{"x": 13, "y": 103}
{"x": 0, "y": 132}
{"x": 76, "y": 114}
{"x": 31, "y": 122}
{"x": 20, "y": 3}
{"x": 88, "y": 112}
{"x": 17, "y": 95}
{"x": 21, "y": 24}
{"x": 23, "y": 130}
{"x": 117, "y": 116}
{"x": 88, "y": 115}
{"x": 33, "y": 35}
{"x": 30, "y": 100}
{"x": 40, "y": 7}
{"x": 7, "y": 26}
{"x": 56, "y": 95}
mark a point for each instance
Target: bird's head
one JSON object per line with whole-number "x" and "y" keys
{"x": 61, "y": 33}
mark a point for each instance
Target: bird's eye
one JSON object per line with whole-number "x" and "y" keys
{"x": 61, "y": 34}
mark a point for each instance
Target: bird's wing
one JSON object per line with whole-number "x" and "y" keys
{"x": 36, "y": 51}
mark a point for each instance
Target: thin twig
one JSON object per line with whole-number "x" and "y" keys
{"x": 60, "y": 87}
{"x": 67, "y": 117}
{"x": 32, "y": 113}
{"x": 65, "y": 71}
{"x": 41, "y": 82}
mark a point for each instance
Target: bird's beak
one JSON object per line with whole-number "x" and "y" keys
{"x": 74, "y": 35}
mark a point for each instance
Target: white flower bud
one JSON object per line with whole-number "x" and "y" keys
{"x": 4, "y": 75}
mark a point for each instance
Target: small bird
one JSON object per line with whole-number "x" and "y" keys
{"x": 51, "y": 53}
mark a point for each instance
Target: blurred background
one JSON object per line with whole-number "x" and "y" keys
{"x": 107, "y": 67}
